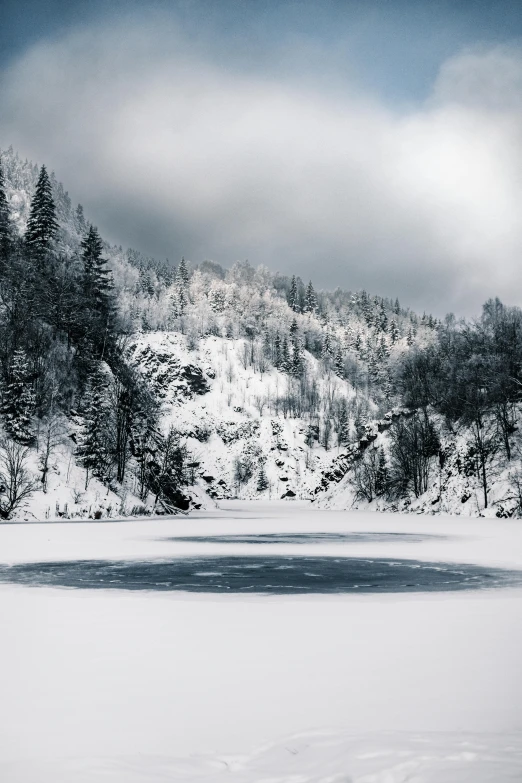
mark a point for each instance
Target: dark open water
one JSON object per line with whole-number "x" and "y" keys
{"x": 276, "y": 575}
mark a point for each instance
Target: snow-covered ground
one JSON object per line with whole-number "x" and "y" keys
{"x": 132, "y": 686}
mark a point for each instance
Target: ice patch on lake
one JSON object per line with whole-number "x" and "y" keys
{"x": 236, "y": 574}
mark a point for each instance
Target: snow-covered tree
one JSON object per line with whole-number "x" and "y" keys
{"x": 327, "y": 349}
{"x": 381, "y": 478}
{"x": 394, "y": 331}
{"x": 382, "y": 349}
{"x": 42, "y": 224}
{"x": 277, "y": 351}
{"x": 382, "y": 319}
{"x": 5, "y": 225}
{"x": 296, "y": 360}
{"x": 310, "y": 304}
{"x": 18, "y": 399}
{"x": 182, "y": 274}
{"x": 79, "y": 219}
{"x": 343, "y": 424}
{"x": 285, "y": 363}
{"x": 94, "y": 447}
{"x": 293, "y": 296}
{"x": 339, "y": 363}
{"x": 18, "y": 484}
{"x": 98, "y": 287}
{"x": 97, "y": 277}
{"x": 262, "y": 480}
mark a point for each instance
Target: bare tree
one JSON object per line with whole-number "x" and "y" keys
{"x": 414, "y": 442}
{"x": 51, "y": 437}
{"x": 17, "y": 483}
{"x": 364, "y": 476}
{"x": 260, "y": 403}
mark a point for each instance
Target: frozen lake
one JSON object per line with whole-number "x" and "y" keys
{"x": 261, "y": 642}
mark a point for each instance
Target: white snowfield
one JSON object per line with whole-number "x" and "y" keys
{"x": 138, "y": 686}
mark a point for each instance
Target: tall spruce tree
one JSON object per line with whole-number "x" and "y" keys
{"x": 310, "y": 304}
{"x": 5, "y": 225}
{"x": 94, "y": 448}
{"x": 18, "y": 399}
{"x": 326, "y": 351}
{"x": 262, "y": 480}
{"x": 293, "y": 296}
{"x": 394, "y": 331}
{"x": 296, "y": 361}
{"x": 339, "y": 363}
{"x": 42, "y": 224}
{"x": 182, "y": 274}
{"x": 343, "y": 424}
{"x": 382, "y": 477}
{"x": 97, "y": 290}
{"x": 277, "y": 351}
{"x": 285, "y": 356}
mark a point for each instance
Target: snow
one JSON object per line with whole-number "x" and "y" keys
{"x": 143, "y": 686}
{"x": 230, "y": 412}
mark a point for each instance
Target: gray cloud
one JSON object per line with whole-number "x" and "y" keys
{"x": 173, "y": 153}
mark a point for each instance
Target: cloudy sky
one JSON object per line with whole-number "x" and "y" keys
{"x": 369, "y": 144}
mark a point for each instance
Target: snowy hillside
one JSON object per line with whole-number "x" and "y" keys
{"x": 194, "y": 383}
{"x": 230, "y": 415}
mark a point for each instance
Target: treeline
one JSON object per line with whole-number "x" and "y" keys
{"x": 62, "y": 355}
{"x": 472, "y": 375}
{"x": 471, "y": 379}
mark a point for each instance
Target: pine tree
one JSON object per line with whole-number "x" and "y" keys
{"x": 97, "y": 289}
{"x": 293, "y": 296}
{"x": 5, "y": 224}
{"x": 267, "y": 348}
{"x": 394, "y": 331}
{"x": 42, "y": 224}
{"x": 339, "y": 363}
{"x": 327, "y": 346}
{"x": 145, "y": 283}
{"x": 383, "y": 319}
{"x": 277, "y": 351}
{"x": 293, "y": 328}
{"x": 373, "y": 369}
{"x": 410, "y": 339}
{"x": 79, "y": 219}
{"x": 382, "y": 350}
{"x": 182, "y": 274}
{"x": 18, "y": 400}
{"x": 381, "y": 477}
{"x": 296, "y": 363}
{"x": 179, "y": 303}
{"x": 343, "y": 424}
{"x": 93, "y": 451}
{"x": 262, "y": 480}
{"x": 285, "y": 356}
{"x": 310, "y": 299}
